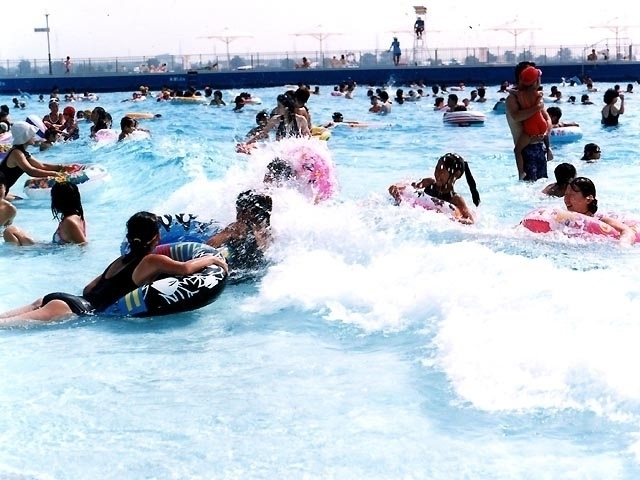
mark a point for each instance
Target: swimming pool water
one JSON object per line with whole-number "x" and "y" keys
{"x": 382, "y": 342}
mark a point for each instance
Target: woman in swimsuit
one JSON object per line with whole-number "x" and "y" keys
{"x": 66, "y": 206}
{"x": 449, "y": 168}
{"x": 286, "y": 122}
{"x": 139, "y": 266}
{"x": 611, "y": 113}
{"x": 18, "y": 161}
{"x": 54, "y": 118}
{"x": 580, "y": 197}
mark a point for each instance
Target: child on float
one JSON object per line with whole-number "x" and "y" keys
{"x": 555, "y": 113}
{"x": 137, "y": 267}
{"x": 128, "y": 126}
{"x": 537, "y": 125}
{"x": 564, "y": 173}
{"x": 580, "y": 197}
{"x": 449, "y": 168}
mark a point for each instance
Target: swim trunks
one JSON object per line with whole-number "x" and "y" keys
{"x": 535, "y": 162}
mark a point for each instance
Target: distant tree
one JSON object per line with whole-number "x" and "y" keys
{"x": 509, "y": 57}
{"x": 24, "y": 67}
{"x": 491, "y": 58}
{"x": 237, "y": 62}
{"x": 564, "y": 55}
{"x": 525, "y": 56}
{"x": 471, "y": 60}
{"x": 288, "y": 64}
{"x": 541, "y": 60}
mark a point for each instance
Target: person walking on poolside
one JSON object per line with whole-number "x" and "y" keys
{"x": 524, "y": 105}
{"x": 395, "y": 48}
{"x": 67, "y": 64}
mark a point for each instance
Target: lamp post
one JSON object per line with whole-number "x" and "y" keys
{"x": 46, "y": 29}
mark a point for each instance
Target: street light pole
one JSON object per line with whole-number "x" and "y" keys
{"x": 46, "y": 29}
{"x": 46, "y": 16}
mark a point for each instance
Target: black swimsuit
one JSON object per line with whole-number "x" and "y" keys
{"x": 12, "y": 174}
{"x": 104, "y": 294}
{"x": 287, "y": 130}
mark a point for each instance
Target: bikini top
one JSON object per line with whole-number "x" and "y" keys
{"x": 57, "y": 237}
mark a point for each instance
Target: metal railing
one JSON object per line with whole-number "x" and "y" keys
{"x": 607, "y": 50}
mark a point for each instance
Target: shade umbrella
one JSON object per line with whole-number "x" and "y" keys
{"x": 227, "y": 36}
{"x": 319, "y": 33}
{"x": 616, "y": 25}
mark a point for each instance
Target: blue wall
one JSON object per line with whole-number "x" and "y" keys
{"x": 472, "y": 75}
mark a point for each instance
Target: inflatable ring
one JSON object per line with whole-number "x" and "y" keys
{"x": 178, "y": 293}
{"x": 572, "y": 224}
{"x": 417, "y": 198}
{"x": 142, "y": 115}
{"x": 565, "y": 134}
{"x": 181, "y": 227}
{"x": 464, "y": 118}
{"x": 106, "y": 135}
{"x": 188, "y": 100}
{"x": 85, "y": 177}
{"x": 320, "y": 133}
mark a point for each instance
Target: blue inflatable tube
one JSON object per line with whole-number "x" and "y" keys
{"x": 174, "y": 294}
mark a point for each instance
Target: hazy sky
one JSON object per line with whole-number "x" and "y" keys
{"x": 144, "y": 27}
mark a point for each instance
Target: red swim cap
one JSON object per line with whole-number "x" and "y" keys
{"x": 529, "y": 76}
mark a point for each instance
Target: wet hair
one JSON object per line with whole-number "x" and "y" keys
{"x": 453, "y": 96}
{"x": 609, "y": 95}
{"x": 51, "y": 134}
{"x": 555, "y": 112}
{"x": 586, "y": 187}
{"x": 564, "y": 173}
{"x": 126, "y": 122}
{"x": 280, "y": 170}
{"x": 456, "y": 166}
{"x": 258, "y": 205}
{"x": 142, "y": 228}
{"x": 337, "y": 117}
{"x": 262, "y": 116}
{"x": 584, "y": 97}
{"x": 65, "y": 200}
{"x": 217, "y": 93}
{"x": 3, "y": 180}
{"x": 302, "y": 95}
